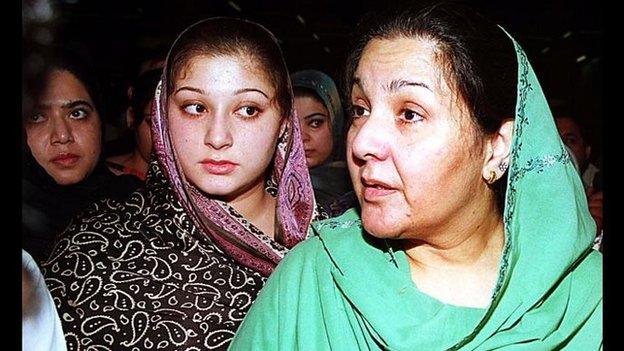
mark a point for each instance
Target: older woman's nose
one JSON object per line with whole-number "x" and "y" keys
{"x": 372, "y": 139}
{"x": 61, "y": 131}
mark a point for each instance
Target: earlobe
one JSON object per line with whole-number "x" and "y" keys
{"x": 499, "y": 150}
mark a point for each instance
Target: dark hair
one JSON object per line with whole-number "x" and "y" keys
{"x": 308, "y": 92}
{"x": 143, "y": 92}
{"x": 230, "y": 36}
{"x": 62, "y": 59}
{"x": 478, "y": 58}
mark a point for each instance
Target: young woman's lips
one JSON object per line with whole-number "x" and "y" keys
{"x": 66, "y": 160}
{"x": 220, "y": 167}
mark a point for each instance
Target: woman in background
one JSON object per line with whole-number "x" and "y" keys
{"x": 321, "y": 116}
{"x": 62, "y": 169}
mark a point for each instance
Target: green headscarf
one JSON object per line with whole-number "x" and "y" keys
{"x": 346, "y": 290}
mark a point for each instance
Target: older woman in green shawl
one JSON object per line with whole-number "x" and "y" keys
{"x": 472, "y": 231}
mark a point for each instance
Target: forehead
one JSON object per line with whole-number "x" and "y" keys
{"x": 567, "y": 125}
{"x": 226, "y": 69}
{"x": 386, "y": 60}
{"x": 62, "y": 85}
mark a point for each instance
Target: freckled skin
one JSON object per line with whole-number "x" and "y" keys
{"x": 221, "y": 133}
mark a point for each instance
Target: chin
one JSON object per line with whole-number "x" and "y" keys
{"x": 219, "y": 186}
{"x": 380, "y": 225}
{"x": 62, "y": 179}
{"x": 311, "y": 162}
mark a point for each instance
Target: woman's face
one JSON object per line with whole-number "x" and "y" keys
{"x": 315, "y": 129}
{"x": 414, "y": 155}
{"x": 64, "y": 131}
{"x": 224, "y": 123}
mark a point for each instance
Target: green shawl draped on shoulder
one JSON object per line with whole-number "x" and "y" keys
{"x": 346, "y": 290}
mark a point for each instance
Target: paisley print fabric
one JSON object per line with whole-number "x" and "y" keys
{"x": 138, "y": 275}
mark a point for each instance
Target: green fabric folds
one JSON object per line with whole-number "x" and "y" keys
{"x": 346, "y": 290}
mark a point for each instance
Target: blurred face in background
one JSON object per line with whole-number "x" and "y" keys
{"x": 64, "y": 129}
{"x": 316, "y": 129}
{"x": 571, "y": 135}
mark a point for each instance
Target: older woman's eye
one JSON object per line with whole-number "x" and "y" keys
{"x": 248, "y": 111}
{"x": 358, "y": 111}
{"x": 78, "y": 114}
{"x": 36, "y": 118}
{"x": 411, "y": 116}
{"x": 194, "y": 109}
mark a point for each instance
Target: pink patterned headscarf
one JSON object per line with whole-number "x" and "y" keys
{"x": 295, "y": 199}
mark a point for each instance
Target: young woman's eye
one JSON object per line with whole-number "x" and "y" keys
{"x": 358, "y": 111}
{"x": 78, "y": 114}
{"x": 248, "y": 111}
{"x": 194, "y": 109}
{"x": 411, "y": 116}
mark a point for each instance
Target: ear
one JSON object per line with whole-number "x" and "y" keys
{"x": 498, "y": 147}
{"x": 130, "y": 117}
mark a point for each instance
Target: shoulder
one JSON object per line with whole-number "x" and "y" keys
{"x": 331, "y": 237}
{"x": 589, "y": 271}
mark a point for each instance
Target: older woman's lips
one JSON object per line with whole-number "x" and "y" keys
{"x": 376, "y": 190}
{"x": 66, "y": 160}
{"x": 220, "y": 167}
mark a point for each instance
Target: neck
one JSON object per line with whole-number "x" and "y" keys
{"x": 482, "y": 247}
{"x": 133, "y": 160}
{"x": 459, "y": 266}
{"x": 137, "y": 162}
{"x": 478, "y": 240}
{"x": 257, "y": 206}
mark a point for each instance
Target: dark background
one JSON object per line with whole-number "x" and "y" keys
{"x": 563, "y": 39}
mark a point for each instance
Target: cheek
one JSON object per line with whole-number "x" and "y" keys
{"x": 325, "y": 136}
{"x": 258, "y": 141}
{"x": 90, "y": 137}
{"x": 36, "y": 140}
{"x": 184, "y": 134}
{"x": 145, "y": 137}
{"x": 436, "y": 174}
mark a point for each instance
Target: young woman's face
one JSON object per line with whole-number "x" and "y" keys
{"x": 413, "y": 152}
{"x": 315, "y": 129}
{"x": 224, "y": 123}
{"x": 64, "y": 130}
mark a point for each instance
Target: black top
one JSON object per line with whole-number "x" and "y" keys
{"x": 47, "y": 207}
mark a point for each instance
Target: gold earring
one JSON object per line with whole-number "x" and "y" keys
{"x": 492, "y": 178}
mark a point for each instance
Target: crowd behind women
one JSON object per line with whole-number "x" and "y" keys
{"x": 439, "y": 206}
